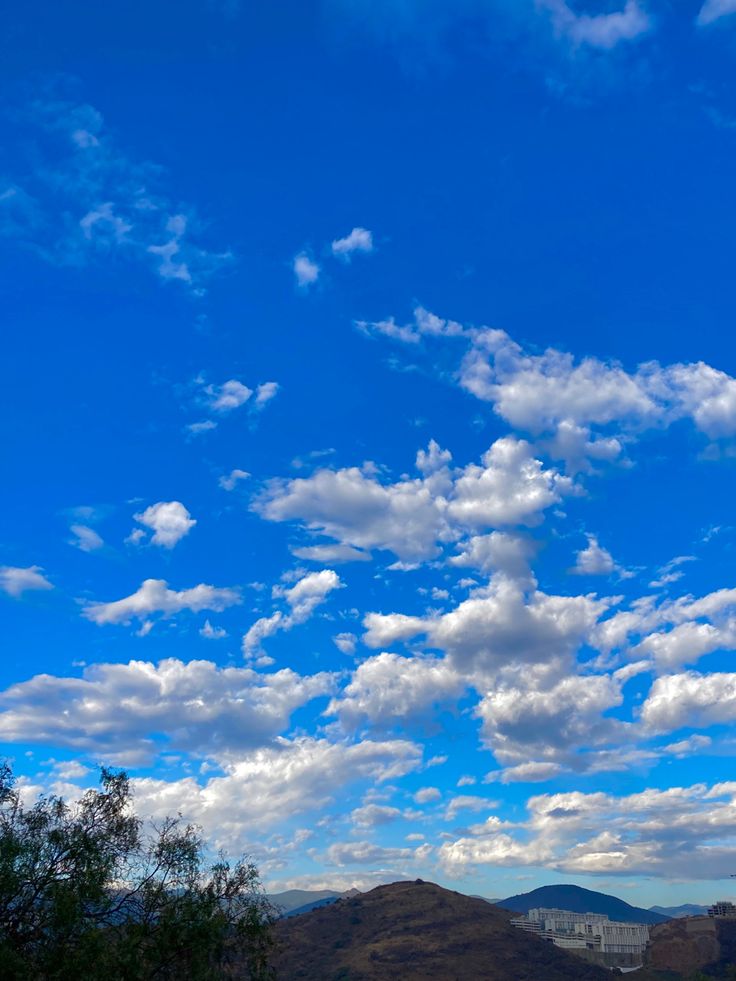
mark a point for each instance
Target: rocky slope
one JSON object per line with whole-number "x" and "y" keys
{"x": 417, "y": 931}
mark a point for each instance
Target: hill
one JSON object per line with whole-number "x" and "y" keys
{"x": 580, "y": 901}
{"x": 417, "y": 931}
{"x": 676, "y": 912}
{"x": 681, "y": 948}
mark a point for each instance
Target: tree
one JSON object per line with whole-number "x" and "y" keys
{"x": 87, "y": 892}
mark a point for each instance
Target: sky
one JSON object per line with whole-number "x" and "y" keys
{"x": 369, "y": 429}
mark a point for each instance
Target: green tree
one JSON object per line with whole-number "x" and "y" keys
{"x": 87, "y": 892}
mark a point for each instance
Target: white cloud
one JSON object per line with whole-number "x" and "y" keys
{"x": 373, "y": 815}
{"x": 593, "y": 560}
{"x": 306, "y": 270}
{"x": 498, "y": 552}
{"x": 498, "y": 629}
{"x": 550, "y": 724}
{"x": 413, "y": 517}
{"x": 688, "y": 747}
{"x": 228, "y": 396}
{"x": 367, "y": 853}
{"x": 197, "y": 428}
{"x": 713, "y": 10}
{"x": 212, "y": 633}
{"x": 389, "y": 690}
{"x": 599, "y": 30}
{"x": 426, "y": 795}
{"x": 303, "y": 598}
{"x": 16, "y": 581}
{"x": 265, "y": 392}
{"x": 345, "y": 643}
{"x": 468, "y": 802}
{"x": 681, "y": 832}
{"x": 154, "y": 596}
{"x": 512, "y": 487}
{"x": 274, "y": 784}
{"x": 86, "y": 539}
{"x": 534, "y": 771}
{"x": 118, "y": 711}
{"x": 551, "y": 393}
{"x": 359, "y": 240}
{"x": 331, "y": 553}
{"x": 230, "y": 481}
{"x": 690, "y": 699}
{"x": 168, "y": 520}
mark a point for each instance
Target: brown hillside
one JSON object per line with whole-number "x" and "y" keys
{"x": 683, "y": 947}
{"x": 417, "y": 931}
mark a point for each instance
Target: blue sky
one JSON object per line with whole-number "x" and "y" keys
{"x": 369, "y": 423}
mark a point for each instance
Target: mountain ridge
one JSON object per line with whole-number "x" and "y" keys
{"x": 580, "y": 900}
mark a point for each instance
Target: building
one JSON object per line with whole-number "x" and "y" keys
{"x": 588, "y": 931}
{"x": 723, "y": 910}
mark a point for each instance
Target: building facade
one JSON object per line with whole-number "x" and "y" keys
{"x": 591, "y": 931}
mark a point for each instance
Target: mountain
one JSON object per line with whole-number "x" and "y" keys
{"x": 294, "y": 898}
{"x": 581, "y": 901}
{"x": 417, "y": 931}
{"x": 677, "y": 912}
{"x": 308, "y": 907}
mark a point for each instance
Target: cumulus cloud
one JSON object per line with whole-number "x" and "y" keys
{"x": 291, "y": 778}
{"x": 690, "y": 699}
{"x": 593, "y": 560}
{"x": 85, "y": 538}
{"x": 359, "y": 240}
{"x": 154, "y": 597}
{"x": 426, "y": 795}
{"x": 306, "y": 271}
{"x": 687, "y": 832}
{"x": 228, "y": 396}
{"x": 212, "y": 633}
{"x": 713, "y": 10}
{"x": 302, "y": 598}
{"x": 133, "y": 711}
{"x": 533, "y": 722}
{"x": 389, "y": 690}
{"x": 553, "y": 395}
{"x": 413, "y": 517}
{"x": 168, "y": 520}
{"x": 497, "y": 627}
{"x": 16, "y": 581}
{"x": 230, "y": 481}
{"x": 498, "y": 552}
{"x": 265, "y": 392}
{"x": 692, "y": 628}
{"x": 345, "y": 642}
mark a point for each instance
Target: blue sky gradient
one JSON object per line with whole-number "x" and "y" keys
{"x": 370, "y": 424}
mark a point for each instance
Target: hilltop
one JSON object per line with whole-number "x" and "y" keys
{"x": 580, "y": 900}
{"x": 418, "y": 931}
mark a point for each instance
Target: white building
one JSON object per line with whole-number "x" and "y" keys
{"x": 593, "y": 931}
{"x": 723, "y": 910}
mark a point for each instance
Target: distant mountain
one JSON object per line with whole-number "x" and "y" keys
{"x": 294, "y": 898}
{"x": 677, "y": 912}
{"x": 414, "y": 931}
{"x": 581, "y": 901}
{"x": 308, "y": 907}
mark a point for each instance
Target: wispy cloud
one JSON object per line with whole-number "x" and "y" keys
{"x": 79, "y": 196}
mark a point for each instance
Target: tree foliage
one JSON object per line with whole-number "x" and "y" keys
{"x": 87, "y": 892}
